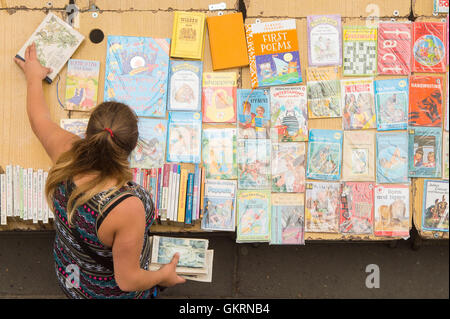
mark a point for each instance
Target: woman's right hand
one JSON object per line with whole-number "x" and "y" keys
{"x": 169, "y": 274}
{"x": 33, "y": 69}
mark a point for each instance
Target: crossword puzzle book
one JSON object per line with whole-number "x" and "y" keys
{"x": 360, "y": 51}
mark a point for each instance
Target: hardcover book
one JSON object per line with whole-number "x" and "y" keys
{"x": 184, "y": 137}
{"x": 392, "y": 157}
{"x": 394, "y": 48}
{"x": 219, "y": 97}
{"x": 82, "y": 84}
{"x": 357, "y": 203}
{"x": 429, "y": 51}
{"x": 445, "y": 157}
{"x": 75, "y": 126}
{"x": 435, "y": 206}
{"x": 188, "y": 35}
{"x": 360, "y": 50}
{"x": 358, "y": 103}
{"x": 324, "y": 92}
{"x": 425, "y": 100}
{"x": 425, "y": 149}
{"x": 322, "y": 207}
{"x": 185, "y": 85}
{"x": 253, "y": 114}
{"x": 254, "y": 216}
{"x": 391, "y": 104}
{"x": 288, "y": 167}
{"x": 358, "y": 162}
{"x": 219, "y": 153}
{"x": 288, "y": 219}
{"x": 324, "y": 40}
{"x": 254, "y": 164}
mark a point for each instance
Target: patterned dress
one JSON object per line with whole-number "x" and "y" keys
{"x": 95, "y": 280}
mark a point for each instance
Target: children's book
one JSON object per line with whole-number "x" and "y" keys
{"x": 254, "y": 216}
{"x": 324, "y": 92}
{"x": 425, "y": 149}
{"x": 356, "y": 208}
{"x": 391, "y": 104}
{"x": 253, "y": 114}
{"x": 219, "y": 97}
{"x": 288, "y": 219}
{"x": 136, "y": 73}
{"x": 184, "y": 137}
{"x": 82, "y": 84}
{"x": 75, "y": 126}
{"x": 288, "y": 106}
{"x": 324, "y": 154}
{"x": 445, "y": 157}
{"x": 425, "y": 100}
{"x": 254, "y": 164}
{"x": 429, "y": 51}
{"x": 324, "y": 40}
{"x": 288, "y": 167}
{"x": 394, "y": 48}
{"x": 360, "y": 50}
{"x": 392, "y": 157}
{"x": 322, "y": 207}
{"x": 440, "y": 6}
{"x": 220, "y": 205}
{"x": 358, "y": 162}
{"x": 358, "y": 103}
{"x": 151, "y": 145}
{"x": 435, "y": 206}
{"x": 219, "y": 153}
{"x": 185, "y": 85}
{"x": 188, "y": 35}
{"x": 392, "y": 210}
{"x": 273, "y": 53}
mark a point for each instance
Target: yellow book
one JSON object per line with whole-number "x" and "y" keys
{"x": 188, "y": 35}
{"x": 182, "y": 195}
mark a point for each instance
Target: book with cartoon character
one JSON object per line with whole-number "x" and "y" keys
{"x": 358, "y": 104}
{"x": 322, "y": 207}
{"x": 81, "y": 84}
{"x": 324, "y": 92}
{"x": 425, "y": 149}
{"x": 392, "y": 157}
{"x": 75, "y": 126}
{"x": 358, "y": 162}
{"x": 219, "y": 97}
{"x": 324, "y": 40}
{"x": 253, "y": 216}
{"x": 254, "y": 164}
{"x": 435, "y": 206}
{"x": 253, "y": 110}
{"x": 288, "y": 167}
{"x": 185, "y": 83}
{"x": 288, "y": 219}
{"x": 356, "y": 214}
{"x": 425, "y": 100}
{"x": 219, "y": 153}
{"x": 391, "y": 104}
{"x": 429, "y": 51}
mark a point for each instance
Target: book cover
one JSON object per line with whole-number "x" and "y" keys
{"x": 425, "y": 149}
{"x": 324, "y": 154}
{"x": 392, "y": 157}
{"x": 425, "y": 100}
{"x": 288, "y": 219}
{"x": 324, "y": 40}
{"x": 324, "y": 92}
{"x": 322, "y": 207}
{"x": 182, "y": 196}
{"x": 392, "y": 210}
{"x": 288, "y": 167}
{"x": 357, "y": 201}
{"x": 219, "y": 97}
{"x": 9, "y": 191}
{"x": 35, "y": 198}
{"x": 445, "y": 157}
{"x": 394, "y": 48}
{"x": 3, "y": 220}
{"x": 45, "y": 204}
{"x": 15, "y": 182}
{"x": 253, "y": 110}
{"x": 273, "y": 53}
{"x": 136, "y": 73}
{"x": 171, "y": 191}
{"x": 358, "y": 103}
{"x": 360, "y": 50}
{"x": 82, "y": 84}
{"x": 358, "y": 163}
{"x": 189, "y": 198}
{"x": 429, "y": 51}
{"x": 254, "y": 216}
{"x": 254, "y": 164}
{"x": 184, "y": 137}
{"x": 185, "y": 85}
{"x": 21, "y": 191}
{"x": 75, "y": 126}
{"x": 440, "y": 6}
{"x": 435, "y": 206}
{"x": 40, "y": 195}
{"x": 219, "y": 153}
{"x": 391, "y": 104}
{"x": 30, "y": 193}
{"x": 289, "y": 120}
{"x": 188, "y": 35}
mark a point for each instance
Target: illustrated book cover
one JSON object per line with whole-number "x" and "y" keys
{"x": 357, "y": 203}
{"x": 82, "y": 84}
{"x": 188, "y": 35}
{"x": 75, "y": 126}
{"x": 429, "y": 47}
{"x": 359, "y": 50}
{"x": 445, "y": 157}
{"x": 253, "y": 110}
{"x": 288, "y": 167}
{"x": 425, "y": 100}
{"x": 324, "y": 40}
{"x": 425, "y": 149}
{"x": 254, "y": 216}
{"x": 219, "y": 97}
{"x": 288, "y": 219}
{"x": 358, "y": 163}
{"x": 358, "y": 104}
{"x": 392, "y": 157}
{"x": 435, "y": 206}
{"x": 185, "y": 85}
{"x": 184, "y": 137}
{"x": 391, "y": 104}
{"x": 394, "y": 48}
{"x": 219, "y": 153}
{"x": 254, "y": 164}
{"x": 324, "y": 92}
{"x": 322, "y": 207}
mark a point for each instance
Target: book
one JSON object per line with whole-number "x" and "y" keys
{"x": 35, "y": 198}
{"x": 40, "y": 195}
{"x": 358, "y": 104}
{"x": 227, "y": 41}
{"x": 391, "y": 104}
{"x": 185, "y": 85}
{"x": 202, "y": 192}
{"x": 445, "y": 157}
{"x": 219, "y": 153}
{"x": 324, "y": 40}
{"x": 359, "y": 50}
{"x": 220, "y": 205}
{"x": 136, "y": 73}
{"x": 358, "y": 163}
{"x": 30, "y": 193}
{"x": 253, "y": 110}
{"x": 254, "y": 164}
{"x": 394, "y": 48}
{"x": 151, "y": 144}
{"x": 184, "y": 137}
{"x": 172, "y": 192}
{"x": 425, "y": 100}
{"x": 81, "y": 84}
{"x": 392, "y": 157}
{"x": 324, "y": 154}
{"x": 392, "y": 210}
{"x": 425, "y": 149}
{"x": 3, "y": 220}
{"x": 324, "y": 92}
{"x": 322, "y": 207}
{"x": 75, "y": 126}
{"x": 254, "y": 216}
{"x": 9, "y": 191}
{"x": 356, "y": 213}
{"x": 273, "y": 53}
{"x": 288, "y": 219}
{"x": 435, "y": 206}
{"x": 176, "y": 197}
{"x": 289, "y": 118}
{"x": 16, "y": 190}
{"x": 189, "y": 198}
{"x": 55, "y": 41}
{"x": 219, "y": 97}
{"x": 188, "y": 35}
{"x": 288, "y": 167}
{"x": 44, "y": 200}
{"x": 209, "y": 266}
{"x": 182, "y": 195}
{"x": 440, "y": 6}
{"x": 429, "y": 51}
{"x": 195, "y": 193}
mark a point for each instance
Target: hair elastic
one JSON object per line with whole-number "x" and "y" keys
{"x": 109, "y": 130}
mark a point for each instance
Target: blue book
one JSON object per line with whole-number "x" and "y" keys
{"x": 195, "y": 192}
{"x": 189, "y": 199}
{"x": 185, "y": 86}
{"x": 253, "y": 109}
{"x": 160, "y": 177}
{"x": 392, "y": 157}
{"x": 425, "y": 149}
{"x": 184, "y": 137}
{"x": 391, "y": 104}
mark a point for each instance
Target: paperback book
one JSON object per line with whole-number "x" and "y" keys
{"x": 185, "y": 85}
{"x": 358, "y": 104}
{"x": 392, "y": 157}
{"x": 288, "y": 167}
{"x": 394, "y": 48}
{"x": 253, "y": 114}
{"x": 425, "y": 149}
{"x": 324, "y": 40}
{"x": 219, "y": 153}
{"x": 219, "y": 97}
{"x": 184, "y": 137}
{"x": 445, "y": 156}
{"x": 82, "y": 84}
{"x": 429, "y": 47}
{"x": 357, "y": 203}
{"x": 435, "y": 206}
{"x": 188, "y": 35}
{"x": 324, "y": 92}
{"x": 391, "y": 104}
{"x": 358, "y": 162}
{"x": 440, "y": 6}
{"x": 254, "y": 216}
{"x": 288, "y": 219}
{"x": 322, "y": 207}
{"x": 360, "y": 50}
{"x": 425, "y": 100}
{"x": 75, "y": 126}
{"x": 254, "y": 164}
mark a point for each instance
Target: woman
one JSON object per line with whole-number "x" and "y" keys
{"x": 101, "y": 218}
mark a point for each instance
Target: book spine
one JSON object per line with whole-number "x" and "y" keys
{"x": 25, "y": 193}
{"x": 170, "y": 193}
{"x": 21, "y": 192}
{"x": 164, "y": 192}
{"x": 44, "y": 200}
{"x": 195, "y": 192}
{"x": 15, "y": 191}
{"x": 177, "y": 194}
{"x": 251, "y": 56}
{"x": 159, "y": 191}
{"x": 30, "y": 193}
{"x": 199, "y": 177}
{"x": 40, "y": 195}
{"x": 144, "y": 184}
{"x": 35, "y": 199}
{"x": 9, "y": 191}
{"x": 3, "y": 199}
{"x": 189, "y": 199}
{"x": 182, "y": 196}
{"x": 202, "y": 193}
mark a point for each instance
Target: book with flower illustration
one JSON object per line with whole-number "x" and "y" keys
{"x": 82, "y": 84}
{"x": 185, "y": 83}
{"x": 253, "y": 216}
{"x": 219, "y": 97}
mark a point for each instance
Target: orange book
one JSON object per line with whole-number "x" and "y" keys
{"x": 227, "y": 41}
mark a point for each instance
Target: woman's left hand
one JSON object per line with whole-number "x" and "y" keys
{"x": 33, "y": 69}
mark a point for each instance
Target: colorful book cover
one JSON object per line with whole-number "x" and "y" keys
{"x": 188, "y": 35}
{"x": 324, "y": 40}
{"x": 289, "y": 119}
{"x": 184, "y": 137}
{"x": 440, "y": 6}
{"x": 445, "y": 157}
{"x": 253, "y": 114}
{"x": 394, "y": 48}
{"x": 185, "y": 85}
{"x": 425, "y": 149}
{"x": 425, "y": 100}
{"x": 358, "y": 163}
{"x": 219, "y": 97}
{"x": 220, "y": 205}
{"x": 324, "y": 154}
{"x": 151, "y": 145}
{"x": 391, "y": 104}
{"x": 136, "y": 73}
{"x": 75, "y": 126}
{"x": 219, "y": 153}
{"x": 392, "y": 157}
{"x": 273, "y": 53}
{"x": 357, "y": 203}
{"x": 82, "y": 84}
{"x": 254, "y": 164}
{"x": 288, "y": 167}
{"x": 288, "y": 219}
{"x": 253, "y": 216}
{"x": 324, "y": 92}
{"x": 181, "y": 212}
{"x": 435, "y": 206}
{"x": 189, "y": 199}
{"x": 360, "y": 50}
{"x": 358, "y": 103}
{"x": 322, "y": 207}
{"x": 429, "y": 51}
{"x": 392, "y": 210}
